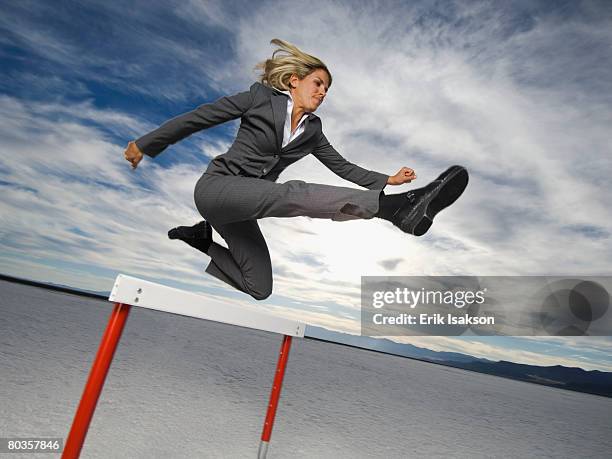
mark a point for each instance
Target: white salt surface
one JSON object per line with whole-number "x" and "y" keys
{"x": 187, "y": 388}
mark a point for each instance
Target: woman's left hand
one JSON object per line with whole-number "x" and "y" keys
{"x": 404, "y": 175}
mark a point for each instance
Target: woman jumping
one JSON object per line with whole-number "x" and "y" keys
{"x": 277, "y": 128}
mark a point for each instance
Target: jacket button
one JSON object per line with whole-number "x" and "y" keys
{"x": 264, "y": 170}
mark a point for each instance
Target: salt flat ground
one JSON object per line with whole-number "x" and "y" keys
{"x": 187, "y": 388}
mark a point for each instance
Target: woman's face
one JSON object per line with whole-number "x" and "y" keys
{"x": 309, "y": 92}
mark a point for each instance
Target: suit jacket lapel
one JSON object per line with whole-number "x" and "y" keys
{"x": 279, "y": 112}
{"x": 304, "y": 136}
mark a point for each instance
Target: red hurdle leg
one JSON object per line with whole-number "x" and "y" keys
{"x": 94, "y": 384}
{"x": 274, "y": 396}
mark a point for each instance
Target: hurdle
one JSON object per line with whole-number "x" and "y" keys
{"x": 130, "y": 291}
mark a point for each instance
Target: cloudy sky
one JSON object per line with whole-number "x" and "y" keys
{"x": 518, "y": 92}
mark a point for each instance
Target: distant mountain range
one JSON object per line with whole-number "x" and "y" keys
{"x": 57, "y": 287}
{"x": 593, "y": 382}
{"x": 576, "y": 379}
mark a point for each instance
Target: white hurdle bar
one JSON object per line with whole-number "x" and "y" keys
{"x": 130, "y": 291}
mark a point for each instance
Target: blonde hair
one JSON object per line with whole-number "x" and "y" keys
{"x": 286, "y": 60}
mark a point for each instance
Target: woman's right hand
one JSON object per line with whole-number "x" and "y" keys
{"x": 133, "y": 154}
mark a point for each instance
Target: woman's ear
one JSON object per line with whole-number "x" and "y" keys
{"x": 293, "y": 79}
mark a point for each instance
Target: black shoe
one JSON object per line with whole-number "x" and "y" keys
{"x": 422, "y": 205}
{"x": 198, "y": 236}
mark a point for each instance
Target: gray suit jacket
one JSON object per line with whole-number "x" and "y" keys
{"x": 257, "y": 151}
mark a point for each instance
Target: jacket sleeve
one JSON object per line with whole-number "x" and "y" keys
{"x": 205, "y": 116}
{"x": 325, "y": 153}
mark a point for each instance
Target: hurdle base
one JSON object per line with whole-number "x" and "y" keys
{"x": 263, "y": 450}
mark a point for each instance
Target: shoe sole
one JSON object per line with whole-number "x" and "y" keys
{"x": 176, "y": 233}
{"x": 453, "y": 182}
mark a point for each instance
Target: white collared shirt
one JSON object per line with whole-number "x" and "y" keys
{"x": 288, "y": 136}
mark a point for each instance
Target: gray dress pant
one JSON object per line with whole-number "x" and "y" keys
{"x": 233, "y": 204}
